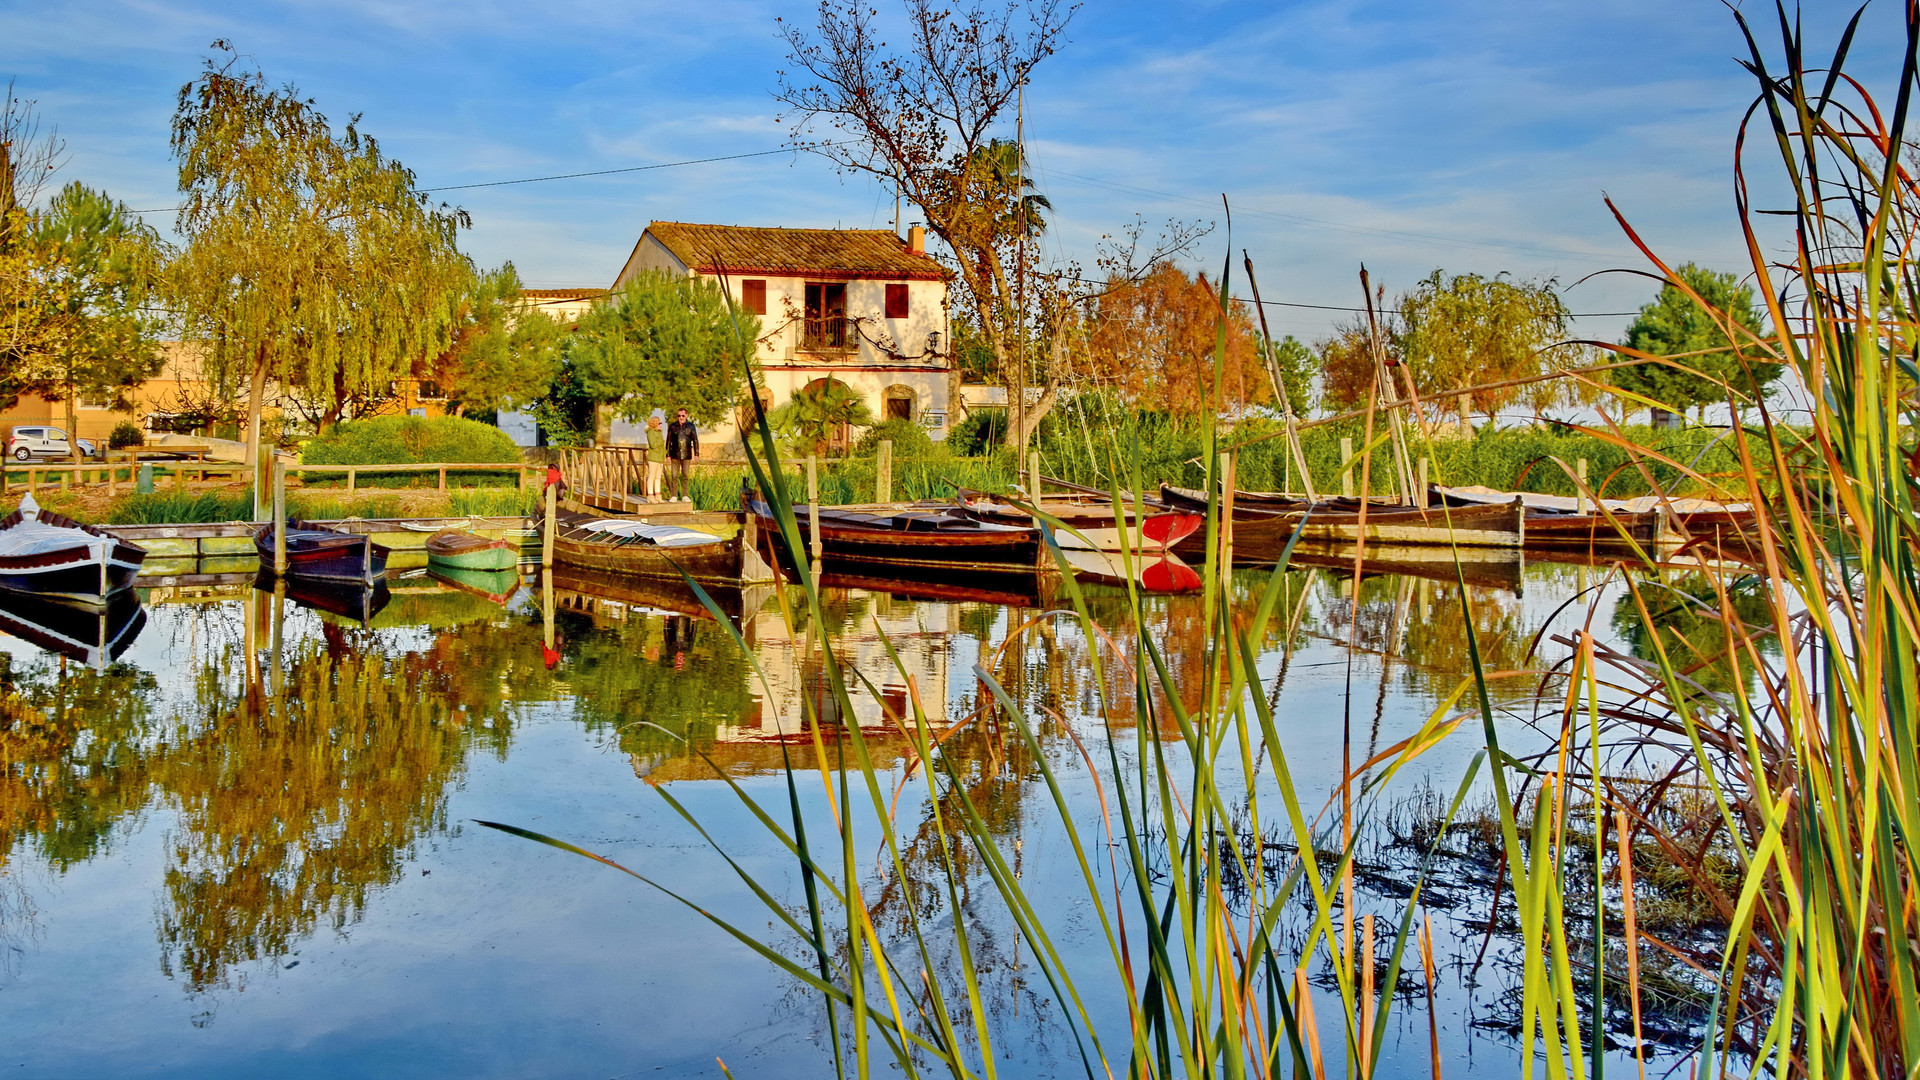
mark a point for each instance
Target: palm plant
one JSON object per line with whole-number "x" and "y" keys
{"x": 818, "y": 417}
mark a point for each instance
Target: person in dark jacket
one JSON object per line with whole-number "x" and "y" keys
{"x": 683, "y": 448}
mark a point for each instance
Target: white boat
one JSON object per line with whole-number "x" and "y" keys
{"x": 45, "y": 554}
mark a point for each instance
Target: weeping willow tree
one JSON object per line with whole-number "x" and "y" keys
{"x": 311, "y": 260}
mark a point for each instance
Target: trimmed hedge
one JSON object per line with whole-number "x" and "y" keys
{"x": 409, "y": 440}
{"x": 909, "y": 439}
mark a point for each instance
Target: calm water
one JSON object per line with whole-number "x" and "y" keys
{"x": 246, "y": 846}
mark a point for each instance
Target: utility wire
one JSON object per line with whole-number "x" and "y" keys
{"x": 561, "y": 176}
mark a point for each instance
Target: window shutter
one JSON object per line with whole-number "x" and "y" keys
{"x": 897, "y": 301}
{"x": 753, "y": 295}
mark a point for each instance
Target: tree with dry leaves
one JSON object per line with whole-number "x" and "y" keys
{"x": 1153, "y": 340}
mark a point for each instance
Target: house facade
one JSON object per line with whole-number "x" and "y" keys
{"x": 862, "y": 307}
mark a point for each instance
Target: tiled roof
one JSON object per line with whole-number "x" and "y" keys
{"x": 846, "y": 253}
{"x": 562, "y": 294}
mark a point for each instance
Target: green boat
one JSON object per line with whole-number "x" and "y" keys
{"x": 458, "y": 549}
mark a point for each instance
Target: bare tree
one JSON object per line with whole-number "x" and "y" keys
{"x": 928, "y": 120}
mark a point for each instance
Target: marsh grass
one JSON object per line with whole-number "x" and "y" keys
{"x": 1777, "y": 836}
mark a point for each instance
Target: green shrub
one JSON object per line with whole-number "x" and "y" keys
{"x": 126, "y": 433}
{"x": 980, "y": 431}
{"x": 909, "y": 439}
{"x": 407, "y": 440}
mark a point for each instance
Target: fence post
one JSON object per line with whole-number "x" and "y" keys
{"x": 280, "y": 517}
{"x": 1580, "y": 496}
{"x": 443, "y": 478}
{"x": 1346, "y": 466}
{"x": 33, "y": 480}
{"x": 66, "y": 478}
{"x": 546, "y": 531}
{"x": 883, "y": 473}
{"x": 353, "y": 477}
{"x": 1420, "y": 482}
{"x": 813, "y": 510}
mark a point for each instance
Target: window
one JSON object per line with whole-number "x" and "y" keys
{"x": 430, "y": 391}
{"x": 753, "y": 296}
{"x": 897, "y": 301}
{"x": 826, "y": 326}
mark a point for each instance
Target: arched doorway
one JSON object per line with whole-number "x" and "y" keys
{"x": 901, "y": 403}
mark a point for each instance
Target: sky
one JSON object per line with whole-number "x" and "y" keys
{"x": 1463, "y": 135}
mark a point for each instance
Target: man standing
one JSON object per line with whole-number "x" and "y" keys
{"x": 683, "y": 448}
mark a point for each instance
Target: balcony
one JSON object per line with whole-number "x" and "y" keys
{"x": 828, "y": 333}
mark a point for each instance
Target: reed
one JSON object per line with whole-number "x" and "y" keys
{"x": 1800, "y": 828}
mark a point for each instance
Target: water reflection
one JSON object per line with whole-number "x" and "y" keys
{"x": 290, "y": 754}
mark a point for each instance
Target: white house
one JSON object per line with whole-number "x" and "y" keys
{"x": 860, "y": 306}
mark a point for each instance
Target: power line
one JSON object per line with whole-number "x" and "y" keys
{"x": 561, "y": 176}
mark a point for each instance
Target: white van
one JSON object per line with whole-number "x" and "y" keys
{"x": 27, "y": 443}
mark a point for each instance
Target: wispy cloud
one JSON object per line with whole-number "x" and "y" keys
{"x": 1465, "y": 134}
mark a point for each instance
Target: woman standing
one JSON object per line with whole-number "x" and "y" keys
{"x": 656, "y": 456}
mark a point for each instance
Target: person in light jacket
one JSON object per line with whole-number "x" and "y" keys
{"x": 656, "y": 457}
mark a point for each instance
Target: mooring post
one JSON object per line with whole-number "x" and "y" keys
{"x": 1580, "y": 496}
{"x": 280, "y": 517}
{"x": 1420, "y": 484}
{"x": 883, "y": 473}
{"x": 546, "y": 530}
{"x": 1346, "y": 465}
{"x": 813, "y": 510}
{"x": 1227, "y": 486}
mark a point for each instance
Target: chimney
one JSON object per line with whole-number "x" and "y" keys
{"x": 917, "y": 239}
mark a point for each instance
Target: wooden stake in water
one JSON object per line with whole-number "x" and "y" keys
{"x": 1420, "y": 485}
{"x": 813, "y": 510}
{"x": 1033, "y": 474}
{"x": 883, "y": 473}
{"x": 280, "y": 517}
{"x": 1580, "y": 496}
{"x": 1227, "y": 478}
{"x": 546, "y": 531}
{"x": 1346, "y": 466}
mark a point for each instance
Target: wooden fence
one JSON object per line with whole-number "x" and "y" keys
{"x": 115, "y": 474}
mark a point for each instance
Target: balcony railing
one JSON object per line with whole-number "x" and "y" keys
{"x": 827, "y": 332}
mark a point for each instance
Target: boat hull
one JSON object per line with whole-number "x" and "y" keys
{"x": 1260, "y": 539}
{"x": 325, "y": 555}
{"x": 983, "y": 546}
{"x": 456, "y": 550}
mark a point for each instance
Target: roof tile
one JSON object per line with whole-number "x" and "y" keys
{"x": 840, "y": 253}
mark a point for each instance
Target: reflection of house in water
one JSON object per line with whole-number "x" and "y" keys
{"x": 747, "y": 728}
{"x": 920, "y": 635}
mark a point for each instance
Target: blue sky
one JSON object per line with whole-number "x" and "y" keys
{"x": 1469, "y": 135}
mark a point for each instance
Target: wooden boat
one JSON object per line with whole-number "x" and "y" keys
{"x": 1142, "y": 556}
{"x": 928, "y": 536}
{"x": 94, "y": 636}
{"x": 1638, "y": 514}
{"x": 315, "y": 551}
{"x": 1079, "y": 511}
{"x": 46, "y": 554}
{"x": 1259, "y": 535}
{"x": 495, "y": 586}
{"x": 355, "y": 600}
{"x": 1251, "y": 503}
{"x": 458, "y": 549}
{"x": 642, "y": 548}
